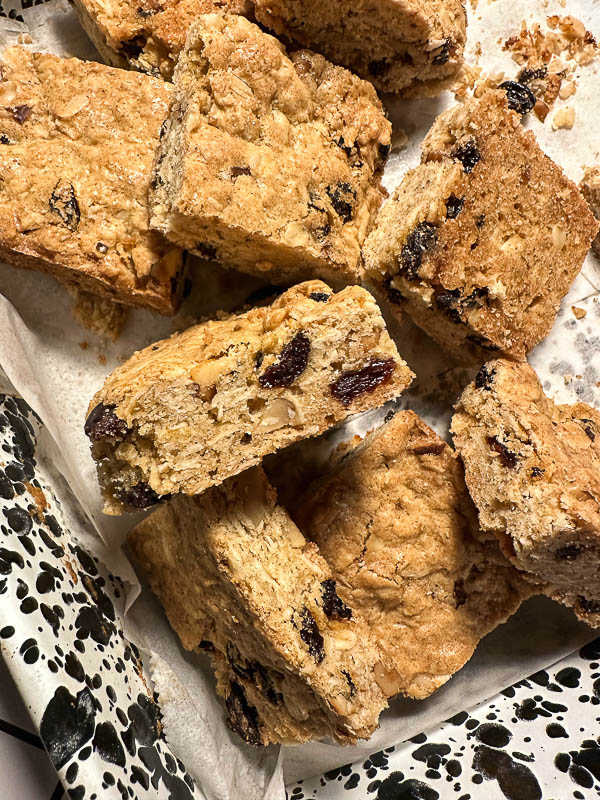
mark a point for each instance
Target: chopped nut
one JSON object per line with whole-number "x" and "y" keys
{"x": 559, "y": 237}
{"x": 541, "y": 110}
{"x": 282, "y": 411}
{"x": 72, "y": 106}
{"x": 579, "y": 312}
{"x": 388, "y": 680}
{"x": 344, "y": 638}
{"x": 209, "y": 372}
{"x": 566, "y": 90}
{"x": 564, "y": 118}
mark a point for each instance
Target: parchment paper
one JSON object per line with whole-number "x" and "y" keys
{"x": 57, "y": 366}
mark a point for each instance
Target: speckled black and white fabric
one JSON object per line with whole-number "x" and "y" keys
{"x": 537, "y": 740}
{"x": 62, "y": 639}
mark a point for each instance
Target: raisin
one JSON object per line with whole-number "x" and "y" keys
{"x": 187, "y": 287}
{"x": 20, "y": 114}
{"x": 527, "y": 75}
{"x": 156, "y": 181}
{"x": 265, "y": 684}
{"x": 101, "y": 247}
{"x": 352, "y": 384}
{"x": 207, "y": 251}
{"x": 418, "y": 241}
{"x": 258, "y": 359}
{"x": 351, "y": 685}
{"x": 63, "y": 203}
{"x": 454, "y": 205}
{"x": 333, "y": 605}
{"x": 311, "y": 636}
{"x": 507, "y": 457}
{"x": 520, "y": 97}
{"x": 569, "y": 552}
{"x": 242, "y": 668}
{"x": 484, "y": 378}
{"x": 378, "y": 68}
{"x": 314, "y": 200}
{"x": 235, "y": 172}
{"x": 449, "y": 304}
{"x": 433, "y": 449}
{"x": 103, "y": 423}
{"x": 343, "y": 198}
{"x": 396, "y": 297}
{"x": 140, "y": 496}
{"x": 390, "y": 415}
{"x": 443, "y": 55}
{"x": 537, "y": 472}
{"x": 292, "y": 363}
{"x": 162, "y": 132}
{"x": 384, "y": 151}
{"x": 343, "y": 146}
{"x": 246, "y": 438}
{"x": 480, "y": 221}
{"x": 146, "y": 12}
{"x": 206, "y": 646}
{"x": 589, "y": 606}
{"x": 460, "y": 595}
{"x": 4, "y": 139}
{"x": 134, "y": 46}
{"x": 478, "y": 297}
{"x": 243, "y": 718}
{"x": 468, "y": 154}
{"x": 319, "y": 297}
{"x": 588, "y": 428}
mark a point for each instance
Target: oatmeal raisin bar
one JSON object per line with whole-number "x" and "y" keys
{"x": 270, "y": 162}
{"x": 77, "y": 142}
{"x": 239, "y": 581}
{"x": 400, "y": 45}
{"x": 480, "y": 243}
{"x": 590, "y": 188}
{"x": 533, "y": 470}
{"x": 397, "y": 526}
{"x": 147, "y": 35}
{"x": 192, "y": 410}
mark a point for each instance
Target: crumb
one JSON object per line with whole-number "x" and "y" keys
{"x": 473, "y": 81}
{"x": 548, "y": 59}
{"x": 99, "y": 314}
{"x": 564, "y": 118}
{"x": 39, "y": 498}
{"x": 578, "y": 377}
{"x": 83, "y": 345}
{"x": 24, "y": 38}
{"x": 567, "y": 379}
{"x": 579, "y": 312}
{"x": 102, "y": 359}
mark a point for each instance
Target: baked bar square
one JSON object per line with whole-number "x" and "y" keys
{"x": 533, "y": 470}
{"x": 238, "y": 580}
{"x": 146, "y": 35}
{"x": 270, "y": 162}
{"x": 397, "y": 526}
{"x": 480, "y": 243}
{"x": 190, "y": 411}
{"x": 77, "y": 143}
{"x": 415, "y": 48}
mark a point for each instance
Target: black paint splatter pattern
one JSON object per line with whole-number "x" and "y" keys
{"x": 101, "y": 727}
{"x": 538, "y": 739}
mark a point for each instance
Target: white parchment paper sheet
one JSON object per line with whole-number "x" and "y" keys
{"x": 57, "y": 366}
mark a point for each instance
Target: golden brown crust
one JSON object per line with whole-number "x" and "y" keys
{"x": 78, "y": 142}
{"x": 238, "y": 579}
{"x": 270, "y": 163}
{"x": 147, "y": 35}
{"x": 480, "y": 252}
{"x": 397, "y": 526}
{"x": 533, "y": 470}
{"x": 405, "y": 46}
{"x": 590, "y": 188}
{"x": 192, "y": 410}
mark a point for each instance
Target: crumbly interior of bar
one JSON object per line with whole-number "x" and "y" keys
{"x": 75, "y": 173}
{"x": 481, "y": 251}
{"x": 397, "y": 526}
{"x": 212, "y": 401}
{"x": 532, "y": 468}
{"x": 400, "y": 46}
{"x": 238, "y": 579}
{"x": 277, "y": 158}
